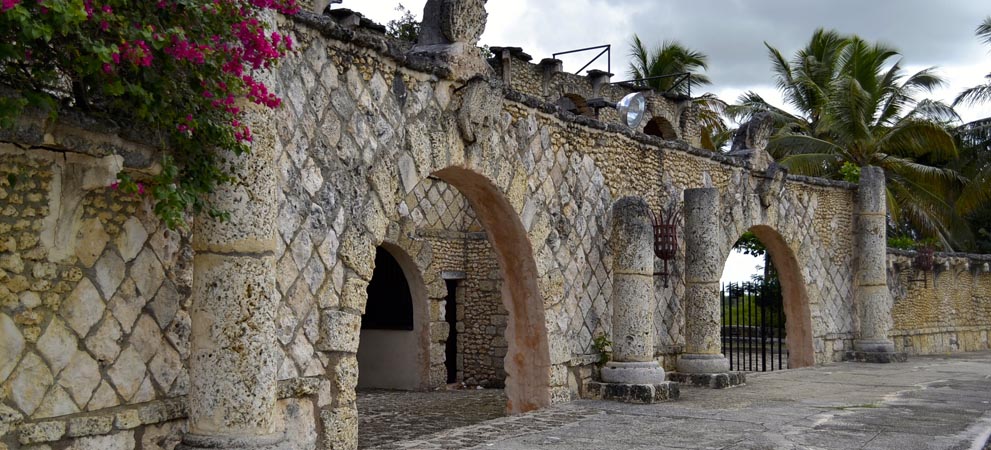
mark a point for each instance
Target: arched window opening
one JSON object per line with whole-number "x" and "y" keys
{"x": 390, "y": 304}
{"x": 661, "y": 128}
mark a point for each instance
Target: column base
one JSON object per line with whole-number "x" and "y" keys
{"x": 709, "y": 380}
{"x": 875, "y": 357}
{"x": 874, "y": 346}
{"x": 647, "y": 372}
{"x": 633, "y": 393}
{"x": 192, "y": 441}
{"x": 695, "y": 363}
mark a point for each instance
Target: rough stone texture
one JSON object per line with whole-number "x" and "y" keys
{"x": 943, "y": 311}
{"x": 871, "y": 295}
{"x": 633, "y": 393}
{"x": 709, "y": 380}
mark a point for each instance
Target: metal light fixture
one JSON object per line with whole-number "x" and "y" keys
{"x": 631, "y": 108}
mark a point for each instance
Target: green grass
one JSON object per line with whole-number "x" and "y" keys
{"x": 747, "y": 313}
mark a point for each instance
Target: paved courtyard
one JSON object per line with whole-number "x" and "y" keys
{"x": 927, "y": 403}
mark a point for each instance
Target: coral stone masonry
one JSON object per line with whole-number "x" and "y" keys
{"x": 520, "y": 222}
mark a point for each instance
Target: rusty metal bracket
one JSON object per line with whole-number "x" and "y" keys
{"x": 666, "y": 237}
{"x": 925, "y": 261}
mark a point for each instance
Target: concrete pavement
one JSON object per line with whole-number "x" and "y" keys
{"x": 926, "y": 403}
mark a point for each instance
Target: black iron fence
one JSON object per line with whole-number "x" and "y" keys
{"x": 753, "y": 326}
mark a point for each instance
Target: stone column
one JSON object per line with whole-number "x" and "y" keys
{"x": 232, "y": 364}
{"x": 632, "y": 296}
{"x": 870, "y": 291}
{"x": 703, "y": 348}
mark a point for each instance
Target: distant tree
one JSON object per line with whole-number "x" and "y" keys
{"x": 974, "y": 140}
{"x": 668, "y": 59}
{"x": 857, "y": 108}
{"x": 672, "y": 58}
{"x": 406, "y": 27}
{"x": 982, "y": 92}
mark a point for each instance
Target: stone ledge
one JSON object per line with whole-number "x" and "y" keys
{"x": 709, "y": 380}
{"x": 875, "y": 357}
{"x": 633, "y": 393}
{"x": 129, "y": 417}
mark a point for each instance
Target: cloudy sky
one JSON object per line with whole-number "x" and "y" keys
{"x": 732, "y": 33}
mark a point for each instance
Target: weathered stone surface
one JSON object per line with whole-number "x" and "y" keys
{"x": 119, "y": 441}
{"x": 448, "y": 21}
{"x": 132, "y": 239}
{"x": 81, "y": 377}
{"x": 339, "y": 331}
{"x": 83, "y": 308}
{"x": 57, "y": 403}
{"x": 147, "y": 273}
{"x": 105, "y": 341}
{"x": 40, "y": 432}
{"x": 89, "y": 426}
{"x": 127, "y": 373}
{"x": 709, "y": 380}
{"x": 232, "y": 359}
{"x": 634, "y": 393}
{"x": 109, "y": 273}
{"x": 11, "y": 346}
{"x": 90, "y": 241}
{"x": 29, "y": 383}
{"x": 57, "y": 345}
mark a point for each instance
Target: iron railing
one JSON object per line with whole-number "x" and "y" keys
{"x": 683, "y": 77}
{"x": 607, "y": 50}
{"x": 753, "y": 327}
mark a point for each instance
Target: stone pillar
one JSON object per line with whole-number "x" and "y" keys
{"x": 632, "y": 374}
{"x": 232, "y": 364}
{"x": 632, "y": 296}
{"x": 703, "y": 348}
{"x": 871, "y": 296}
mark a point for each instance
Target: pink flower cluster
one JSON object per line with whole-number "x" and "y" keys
{"x": 8, "y": 4}
{"x": 136, "y": 52}
{"x": 182, "y": 49}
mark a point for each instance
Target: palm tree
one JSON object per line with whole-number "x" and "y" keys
{"x": 980, "y": 93}
{"x": 974, "y": 141}
{"x": 672, "y": 58}
{"x": 856, "y": 109}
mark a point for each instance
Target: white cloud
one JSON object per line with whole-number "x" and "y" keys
{"x": 733, "y": 33}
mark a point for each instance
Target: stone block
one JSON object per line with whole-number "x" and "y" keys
{"x": 875, "y": 357}
{"x": 339, "y": 331}
{"x": 83, "y": 308}
{"x": 633, "y": 393}
{"x": 39, "y": 432}
{"x": 90, "y": 426}
{"x": 11, "y": 346}
{"x": 709, "y": 380}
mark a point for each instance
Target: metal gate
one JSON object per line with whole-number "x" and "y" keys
{"x": 753, "y": 326}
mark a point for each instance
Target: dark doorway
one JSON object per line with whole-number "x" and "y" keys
{"x": 451, "y": 347}
{"x": 390, "y": 304}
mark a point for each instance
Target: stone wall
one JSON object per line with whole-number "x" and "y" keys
{"x": 945, "y": 310}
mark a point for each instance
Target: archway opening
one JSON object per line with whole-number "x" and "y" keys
{"x": 527, "y": 359}
{"x": 393, "y": 347}
{"x": 766, "y": 320}
{"x": 661, "y": 128}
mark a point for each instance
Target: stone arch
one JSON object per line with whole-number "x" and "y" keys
{"x": 409, "y": 349}
{"x": 661, "y": 127}
{"x": 798, "y": 323}
{"x": 576, "y": 104}
{"x": 527, "y": 361}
